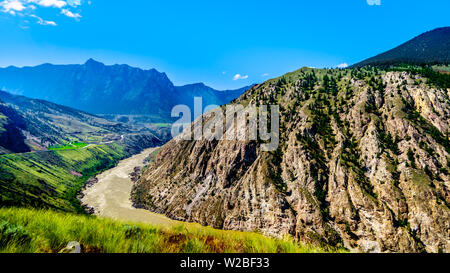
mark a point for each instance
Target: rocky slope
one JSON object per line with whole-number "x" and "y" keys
{"x": 101, "y": 89}
{"x": 35, "y": 125}
{"x": 364, "y": 163}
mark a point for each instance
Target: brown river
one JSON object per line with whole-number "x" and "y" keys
{"x": 110, "y": 196}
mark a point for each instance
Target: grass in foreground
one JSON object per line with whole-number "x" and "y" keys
{"x": 45, "y": 231}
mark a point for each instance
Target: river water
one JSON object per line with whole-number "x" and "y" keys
{"x": 110, "y": 196}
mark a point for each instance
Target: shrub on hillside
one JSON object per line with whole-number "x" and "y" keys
{"x": 14, "y": 234}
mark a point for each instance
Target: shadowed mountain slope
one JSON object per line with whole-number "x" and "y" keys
{"x": 432, "y": 47}
{"x": 101, "y": 89}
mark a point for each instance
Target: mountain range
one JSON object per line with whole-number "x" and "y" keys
{"x": 101, "y": 89}
{"x": 32, "y": 125}
{"x": 432, "y": 47}
{"x": 363, "y": 161}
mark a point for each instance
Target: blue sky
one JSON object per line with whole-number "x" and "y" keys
{"x": 211, "y": 41}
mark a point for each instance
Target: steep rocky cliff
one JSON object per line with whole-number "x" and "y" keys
{"x": 364, "y": 163}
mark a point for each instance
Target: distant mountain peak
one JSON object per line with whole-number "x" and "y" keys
{"x": 109, "y": 89}
{"x": 439, "y": 29}
{"x": 431, "y": 47}
{"x": 197, "y": 85}
{"x": 91, "y": 62}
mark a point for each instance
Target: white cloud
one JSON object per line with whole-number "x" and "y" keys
{"x": 31, "y": 8}
{"x": 74, "y": 3}
{"x": 343, "y": 65}
{"x": 43, "y": 22}
{"x": 68, "y": 13}
{"x": 240, "y": 77}
{"x": 12, "y": 6}
{"x": 265, "y": 75}
{"x": 374, "y": 2}
{"x": 50, "y": 3}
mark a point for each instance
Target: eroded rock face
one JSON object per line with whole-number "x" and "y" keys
{"x": 363, "y": 163}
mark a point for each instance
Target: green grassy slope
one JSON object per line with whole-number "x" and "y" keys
{"x": 51, "y": 179}
{"x": 39, "y": 231}
{"x": 70, "y": 146}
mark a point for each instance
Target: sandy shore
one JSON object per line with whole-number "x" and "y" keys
{"x": 110, "y": 197}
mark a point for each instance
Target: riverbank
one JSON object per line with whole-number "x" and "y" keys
{"x": 110, "y": 195}
{"x": 118, "y": 227}
{"x": 52, "y": 179}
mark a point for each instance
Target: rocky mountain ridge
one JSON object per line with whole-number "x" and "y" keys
{"x": 364, "y": 163}
{"x": 102, "y": 89}
{"x": 34, "y": 125}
